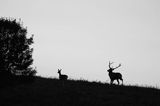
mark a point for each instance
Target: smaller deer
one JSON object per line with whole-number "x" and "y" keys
{"x": 114, "y": 76}
{"x": 61, "y": 76}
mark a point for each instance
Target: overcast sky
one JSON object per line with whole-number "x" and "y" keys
{"x": 82, "y": 36}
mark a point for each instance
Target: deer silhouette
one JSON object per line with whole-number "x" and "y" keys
{"x": 61, "y": 76}
{"x": 114, "y": 76}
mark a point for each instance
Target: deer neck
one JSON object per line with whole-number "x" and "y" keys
{"x": 110, "y": 73}
{"x": 59, "y": 74}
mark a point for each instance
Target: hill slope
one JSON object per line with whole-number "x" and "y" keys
{"x": 52, "y": 92}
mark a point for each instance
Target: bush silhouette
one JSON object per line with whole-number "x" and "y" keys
{"x": 15, "y": 50}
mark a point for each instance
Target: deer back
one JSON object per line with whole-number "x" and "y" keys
{"x": 63, "y": 77}
{"x": 114, "y": 76}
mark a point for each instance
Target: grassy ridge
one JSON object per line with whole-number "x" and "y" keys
{"x": 52, "y": 92}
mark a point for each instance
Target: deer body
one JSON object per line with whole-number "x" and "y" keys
{"x": 61, "y": 76}
{"x": 114, "y": 76}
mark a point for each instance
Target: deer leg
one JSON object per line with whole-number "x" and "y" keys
{"x": 122, "y": 81}
{"x": 118, "y": 81}
{"x": 111, "y": 82}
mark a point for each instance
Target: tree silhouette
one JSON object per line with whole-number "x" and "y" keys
{"x": 15, "y": 50}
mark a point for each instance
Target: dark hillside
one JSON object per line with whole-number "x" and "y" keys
{"x": 52, "y": 92}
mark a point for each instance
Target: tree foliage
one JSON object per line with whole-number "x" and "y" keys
{"x": 15, "y": 51}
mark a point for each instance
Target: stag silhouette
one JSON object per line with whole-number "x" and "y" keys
{"x": 62, "y": 76}
{"x": 114, "y": 76}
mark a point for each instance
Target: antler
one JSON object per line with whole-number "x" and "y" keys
{"x": 110, "y": 64}
{"x": 117, "y": 66}
{"x": 59, "y": 69}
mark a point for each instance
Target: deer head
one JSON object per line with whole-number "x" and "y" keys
{"x": 111, "y": 68}
{"x": 59, "y": 71}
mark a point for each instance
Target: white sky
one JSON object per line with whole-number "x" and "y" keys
{"x": 82, "y": 36}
